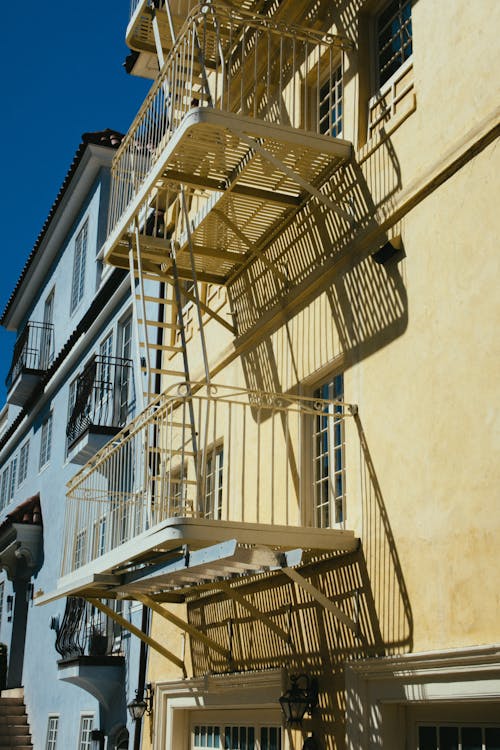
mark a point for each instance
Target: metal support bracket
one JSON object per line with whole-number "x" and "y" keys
{"x": 257, "y": 146}
{"x": 182, "y": 624}
{"x": 246, "y": 604}
{"x": 139, "y": 633}
{"x": 322, "y": 599}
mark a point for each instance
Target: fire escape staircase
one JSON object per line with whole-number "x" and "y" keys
{"x": 225, "y": 150}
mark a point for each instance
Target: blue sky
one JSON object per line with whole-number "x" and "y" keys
{"x": 61, "y": 76}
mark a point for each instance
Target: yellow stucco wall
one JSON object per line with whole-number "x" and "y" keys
{"x": 417, "y": 339}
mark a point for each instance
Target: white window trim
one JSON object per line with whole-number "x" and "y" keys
{"x": 48, "y": 419}
{"x": 49, "y": 719}
{"x": 246, "y": 692}
{"x": 79, "y": 273}
{"x": 85, "y": 715}
{"x": 432, "y": 678}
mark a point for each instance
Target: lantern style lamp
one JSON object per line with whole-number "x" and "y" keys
{"x": 143, "y": 705}
{"x": 302, "y": 696}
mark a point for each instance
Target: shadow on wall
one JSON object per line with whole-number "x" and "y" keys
{"x": 320, "y": 265}
{"x": 367, "y": 585}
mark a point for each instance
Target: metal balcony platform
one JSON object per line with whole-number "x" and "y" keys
{"x": 247, "y": 174}
{"x": 185, "y": 553}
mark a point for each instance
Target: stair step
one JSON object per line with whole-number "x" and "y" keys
{"x": 162, "y": 347}
{"x": 158, "y": 300}
{"x": 159, "y": 324}
{"x": 158, "y": 371}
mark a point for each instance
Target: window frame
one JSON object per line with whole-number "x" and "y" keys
{"x": 51, "y": 741}
{"x": 45, "y": 441}
{"x": 380, "y": 85}
{"x": 79, "y": 264}
{"x": 215, "y": 460}
{"x": 336, "y": 102}
{"x": 326, "y": 424}
{"x": 24, "y": 455}
{"x": 84, "y": 733}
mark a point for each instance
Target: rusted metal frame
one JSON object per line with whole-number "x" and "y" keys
{"x": 182, "y": 624}
{"x": 139, "y": 633}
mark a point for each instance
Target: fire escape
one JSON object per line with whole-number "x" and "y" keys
{"x": 229, "y": 144}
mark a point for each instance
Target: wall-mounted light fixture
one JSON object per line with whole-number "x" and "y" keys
{"x": 302, "y": 696}
{"x": 141, "y": 705}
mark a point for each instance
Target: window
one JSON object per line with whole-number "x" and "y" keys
{"x": 80, "y": 548}
{"x": 99, "y": 537}
{"x": 78, "y": 283}
{"x": 328, "y": 456}
{"x": 52, "y": 728}
{"x": 449, "y": 737}
{"x": 213, "y": 484}
{"x": 45, "y": 441}
{"x": 236, "y": 737}
{"x": 12, "y": 483}
{"x": 4, "y": 500}
{"x": 47, "y": 339}
{"x": 2, "y": 587}
{"x": 394, "y": 38}
{"x": 23, "y": 462}
{"x": 85, "y": 740}
{"x": 125, "y": 397}
{"x": 330, "y": 105}
{"x": 8, "y": 484}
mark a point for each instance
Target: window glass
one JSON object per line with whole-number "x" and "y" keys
{"x": 78, "y": 282}
{"x": 394, "y": 38}
{"x": 328, "y": 455}
{"x": 23, "y": 462}
{"x": 2, "y": 588}
{"x": 45, "y": 441}
{"x": 330, "y": 105}
{"x": 52, "y": 727}
{"x": 86, "y": 725}
{"x": 213, "y": 484}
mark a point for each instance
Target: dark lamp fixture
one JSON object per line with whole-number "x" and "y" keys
{"x": 302, "y": 696}
{"x": 143, "y": 705}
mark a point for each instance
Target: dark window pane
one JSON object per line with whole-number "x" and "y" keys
{"x": 448, "y": 738}
{"x": 492, "y": 736}
{"x": 427, "y": 738}
{"x": 472, "y": 738}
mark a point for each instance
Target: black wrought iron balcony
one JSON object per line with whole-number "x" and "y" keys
{"x": 33, "y": 355}
{"x": 103, "y": 402}
{"x": 87, "y": 632}
{"x": 91, "y": 648}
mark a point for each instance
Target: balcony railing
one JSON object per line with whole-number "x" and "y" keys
{"x": 86, "y": 631}
{"x": 33, "y": 351}
{"x": 103, "y": 397}
{"x": 222, "y": 454}
{"x": 229, "y": 61}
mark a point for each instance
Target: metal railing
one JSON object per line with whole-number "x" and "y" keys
{"x": 33, "y": 350}
{"x": 103, "y": 396}
{"x": 232, "y": 61}
{"x": 86, "y": 631}
{"x": 253, "y": 463}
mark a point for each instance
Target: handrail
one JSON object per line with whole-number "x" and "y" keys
{"x": 85, "y": 631}
{"x": 252, "y": 65}
{"x": 103, "y": 394}
{"x": 33, "y": 350}
{"x": 249, "y": 458}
